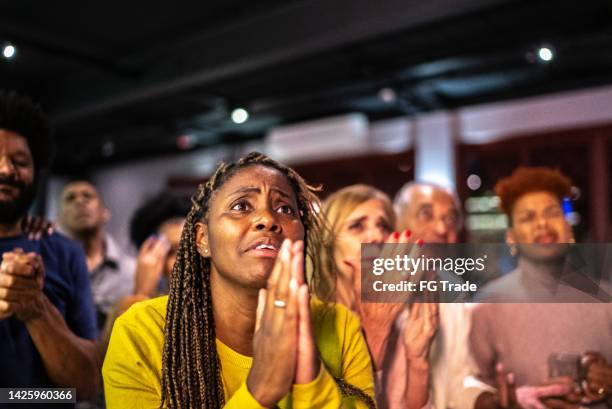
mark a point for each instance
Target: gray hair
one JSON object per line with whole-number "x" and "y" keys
{"x": 404, "y": 197}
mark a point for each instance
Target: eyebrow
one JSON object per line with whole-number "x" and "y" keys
{"x": 258, "y": 190}
{"x": 425, "y": 206}
{"x": 357, "y": 219}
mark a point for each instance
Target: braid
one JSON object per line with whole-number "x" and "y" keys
{"x": 191, "y": 370}
{"x": 350, "y": 390}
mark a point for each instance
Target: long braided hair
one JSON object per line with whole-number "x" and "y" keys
{"x": 191, "y": 371}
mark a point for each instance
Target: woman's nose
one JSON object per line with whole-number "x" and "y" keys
{"x": 374, "y": 235}
{"x": 266, "y": 221}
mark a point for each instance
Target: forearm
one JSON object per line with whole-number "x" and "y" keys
{"x": 70, "y": 361}
{"x": 417, "y": 384}
{"x": 377, "y": 340}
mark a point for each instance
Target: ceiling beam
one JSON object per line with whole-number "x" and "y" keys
{"x": 299, "y": 30}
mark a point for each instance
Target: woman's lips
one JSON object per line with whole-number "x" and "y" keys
{"x": 264, "y": 250}
{"x": 548, "y": 238}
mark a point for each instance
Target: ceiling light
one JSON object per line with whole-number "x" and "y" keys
{"x": 240, "y": 115}
{"x": 387, "y": 95}
{"x": 545, "y": 54}
{"x": 9, "y": 51}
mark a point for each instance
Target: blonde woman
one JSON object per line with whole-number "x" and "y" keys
{"x": 362, "y": 214}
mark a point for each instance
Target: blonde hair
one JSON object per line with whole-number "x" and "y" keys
{"x": 336, "y": 208}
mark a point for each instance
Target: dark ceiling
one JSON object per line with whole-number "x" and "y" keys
{"x": 124, "y": 79}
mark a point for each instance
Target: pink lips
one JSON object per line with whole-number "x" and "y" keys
{"x": 264, "y": 247}
{"x": 548, "y": 238}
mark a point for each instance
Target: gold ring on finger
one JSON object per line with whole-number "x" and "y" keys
{"x": 280, "y": 304}
{"x": 601, "y": 391}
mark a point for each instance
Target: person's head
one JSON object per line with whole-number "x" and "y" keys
{"x": 81, "y": 209}
{"x": 233, "y": 232}
{"x": 353, "y": 215}
{"x": 25, "y": 151}
{"x": 532, "y": 198}
{"x": 162, "y": 215}
{"x": 431, "y": 212}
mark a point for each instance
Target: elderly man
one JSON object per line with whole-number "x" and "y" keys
{"x": 431, "y": 212}
{"x": 47, "y": 322}
{"x": 433, "y": 215}
{"x": 83, "y": 216}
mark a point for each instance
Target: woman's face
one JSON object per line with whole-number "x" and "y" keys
{"x": 248, "y": 219}
{"x": 538, "y": 223}
{"x": 367, "y": 223}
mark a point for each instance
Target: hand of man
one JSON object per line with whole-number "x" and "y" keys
{"x": 21, "y": 284}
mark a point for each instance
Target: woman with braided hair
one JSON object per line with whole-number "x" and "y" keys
{"x": 238, "y": 328}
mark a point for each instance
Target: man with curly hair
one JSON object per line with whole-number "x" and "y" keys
{"x": 47, "y": 323}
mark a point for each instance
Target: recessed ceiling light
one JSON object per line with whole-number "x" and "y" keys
{"x": 240, "y": 115}
{"x": 9, "y": 51}
{"x": 545, "y": 54}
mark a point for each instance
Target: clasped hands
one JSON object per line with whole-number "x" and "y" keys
{"x": 284, "y": 349}
{"x": 557, "y": 393}
{"x": 21, "y": 283}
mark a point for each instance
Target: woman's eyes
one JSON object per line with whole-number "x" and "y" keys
{"x": 357, "y": 226}
{"x": 384, "y": 226}
{"x": 286, "y": 209}
{"x": 244, "y": 205}
{"x": 240, "y": 206}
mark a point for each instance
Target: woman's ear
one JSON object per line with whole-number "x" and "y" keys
{"x": 202, "y": 239}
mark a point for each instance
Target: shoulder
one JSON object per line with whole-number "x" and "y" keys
{"x": 505, "y": 286}
{"x": 325, "y": 314}
{"x": 150, "y": 314}
{"x": 60, "y": 244}
{"x": 63, "y": 256}
{"x": 138, "y": 334}
{"x": 126, "y": 262}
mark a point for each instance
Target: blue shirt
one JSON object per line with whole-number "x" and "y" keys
{"x": 67, "y": 287}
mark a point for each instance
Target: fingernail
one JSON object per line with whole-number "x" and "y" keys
{"x": 510, "y": 377}
{"x": 396, "y": 235}
{"x": 499, "y": 367}
{"x": 408, "y": 233}
{"x": 293, "y": 283}
{"x": 420, "y": 242}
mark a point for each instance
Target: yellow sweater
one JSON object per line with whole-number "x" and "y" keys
{"x": 132, "y": 368}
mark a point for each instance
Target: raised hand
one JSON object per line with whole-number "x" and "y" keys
{"x": 308, "y": 363}
{"x": 37, "y": 227}
{"x": 21, "y": 284}
{"x": 150, "y": 265}
{"x": 552, "y": 393}
{"x": 378, "y": 317}
{"x": 420, "y": 329}
{"x": 598, "y": 382}
{"x": 276, "y": 334}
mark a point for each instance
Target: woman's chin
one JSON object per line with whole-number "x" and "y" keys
{"x": 259, "y": 276}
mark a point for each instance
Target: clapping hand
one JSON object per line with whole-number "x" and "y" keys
{"x": 150, "y": 265}
{"x": 284, "y": 350}
{"x": 21, "y": 284}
